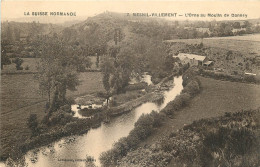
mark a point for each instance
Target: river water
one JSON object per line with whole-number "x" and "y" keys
{"x": 74, "y": 149}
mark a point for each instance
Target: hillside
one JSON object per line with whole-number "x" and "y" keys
{"x": 180, "y": 140}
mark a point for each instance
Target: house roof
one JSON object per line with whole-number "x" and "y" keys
{"x": 182, "y": 56}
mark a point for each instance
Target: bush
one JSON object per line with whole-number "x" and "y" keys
{"x": 32, "y": 123}
{"x": 192, "y": 88}
{"x": 180, "y": 101}
{"x": 228, "y": 143}
{"x": 158, "y": 118}
{"x": 143, "y": 126}
{"x": 18, "y": 62}
{"x": 87, "y": 112}
{"x": 189, "y": 75}
{"x": 60, "y": 117}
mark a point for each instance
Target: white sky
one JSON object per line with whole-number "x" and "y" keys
{"x": 16, "y": 9}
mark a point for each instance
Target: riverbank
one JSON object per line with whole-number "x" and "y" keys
{"x": 79, "y": 126}
{"x": 127, "y": 107}
{"x": 232, "y": 139}
{"x": 146, "y": 124}
{"x": 216, "y": 98}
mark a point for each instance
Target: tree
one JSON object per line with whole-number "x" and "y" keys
{"x": 18, "y": 63}
{"x": 32, "y": 123}
{"x": 9, "y": 34}
{"x": 236, "y": 25}
{"x": 57, "y": 69}
{"x": 107, "y": 68}
{"x": 5, "y": 60}
{"x": 97, "y": 61}
{"x": 17, "y": 33}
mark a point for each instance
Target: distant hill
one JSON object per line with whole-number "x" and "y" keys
{"x": 47, "y": 19}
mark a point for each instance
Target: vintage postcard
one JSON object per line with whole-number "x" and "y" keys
{"x": 130, "y": 84}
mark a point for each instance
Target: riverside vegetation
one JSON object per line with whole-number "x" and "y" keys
{"x": 146, "y": 123}
{"x": 121, "y": 47}
{"x": 229, "y": 140}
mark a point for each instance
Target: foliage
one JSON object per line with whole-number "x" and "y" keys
{"x": 32, "y": 123}
{"x": 229, "y": 140}
{"x": 5, "y": 60}
{"x": 58, "y": 69}
{"x": 143, "y": 128}
{"x": 178, "y": 103}
{"x": 192, "y": 88}
{"x": 136, "y": 86}
{"x": 228, "y": 77}
{"x": 18, "y": 63}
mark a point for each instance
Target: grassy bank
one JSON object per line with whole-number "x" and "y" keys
{"x": 62, "y": 124}
{"x": 20, "y": 97}
{"x": 216, "y": 98}
{"x": 230, "y": 140}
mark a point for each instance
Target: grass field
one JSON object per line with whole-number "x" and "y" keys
{"x": 216, "y": 98}
{"x": 20, "y": 97}
{"x": 247, "y": 44}
{"x": 33, "y": 62}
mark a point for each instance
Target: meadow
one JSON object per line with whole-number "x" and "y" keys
{"x": 20, "y": 97}
{"x": 32, "y": 64}
{"x": 216, "y": 98}
{"x": 246, "y": 44}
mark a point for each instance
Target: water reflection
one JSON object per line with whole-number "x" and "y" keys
{"x": 75, "y": 148}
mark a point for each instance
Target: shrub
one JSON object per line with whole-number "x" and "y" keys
{"x": 175, "y": 105}
{"x": 189, "y": 75}
{"x": 18, "y": 62}
{"x": 250, "y": 78}
{"x": 60, "y": 117}
{"x": 143, "y": 127}
{"x": 192, "y": 88}
{"x": 27, "y": 67}
{"x": 32, "y": 123}
{"x": 158, "y": 118}
{"x": 108, "y": 158}
{"x": 90, "y": 111}
{"x": 228, "y": 143}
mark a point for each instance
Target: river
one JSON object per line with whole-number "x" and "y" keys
{"x": 75, "y": 148}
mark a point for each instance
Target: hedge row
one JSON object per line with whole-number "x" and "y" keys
{"x": 234, "y": 78}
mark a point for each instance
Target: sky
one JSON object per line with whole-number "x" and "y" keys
{"x": 248, "y": 9}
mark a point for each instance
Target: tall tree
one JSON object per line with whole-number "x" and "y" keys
{"x": 5, "y": 60}
{"x": 57, "y": 69}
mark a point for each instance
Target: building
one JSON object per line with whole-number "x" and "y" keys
{"x": 192, "y": 59}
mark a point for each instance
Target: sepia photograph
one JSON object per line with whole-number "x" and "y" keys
{"x": 130, "y": 84}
